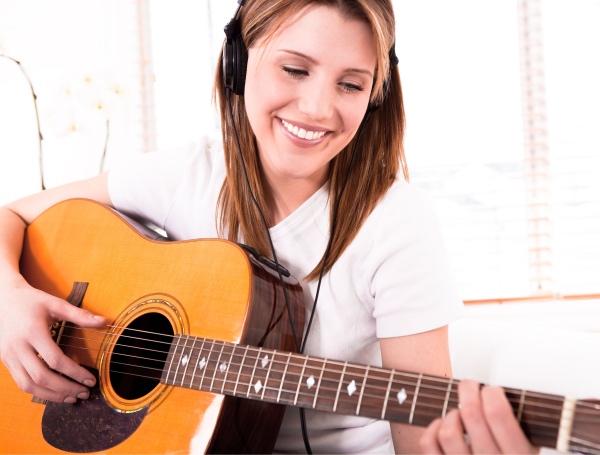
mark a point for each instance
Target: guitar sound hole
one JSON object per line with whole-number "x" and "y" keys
{"x": 139, "y": 356}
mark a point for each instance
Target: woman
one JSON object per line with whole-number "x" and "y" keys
{"x": 320, "y": 127}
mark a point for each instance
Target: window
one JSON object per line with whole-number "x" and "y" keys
{"x": 512, "y": 166}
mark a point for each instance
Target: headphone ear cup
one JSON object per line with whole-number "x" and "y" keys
{"x": 240, "y": 65}
{"x": 235, "y": 58}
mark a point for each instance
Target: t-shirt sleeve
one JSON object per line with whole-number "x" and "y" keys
{"x": 148, "y": 185}
{"x": 412, "y": 284}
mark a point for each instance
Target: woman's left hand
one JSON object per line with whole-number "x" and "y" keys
{"x": 484, "y": 423}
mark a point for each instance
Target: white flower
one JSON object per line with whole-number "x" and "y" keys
{"x": 84, "y": 104}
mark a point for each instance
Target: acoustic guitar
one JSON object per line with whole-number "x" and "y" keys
{"x": 198, "y": 355}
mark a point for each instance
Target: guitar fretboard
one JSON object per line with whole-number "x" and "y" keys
{"x": 339, "y": 387}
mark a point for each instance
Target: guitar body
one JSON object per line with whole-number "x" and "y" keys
{"x": 205, "y": 288}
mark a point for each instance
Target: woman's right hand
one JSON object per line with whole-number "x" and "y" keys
{"x": 27, "y": 314}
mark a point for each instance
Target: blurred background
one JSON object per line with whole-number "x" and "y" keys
{"x": 502, "y": 100}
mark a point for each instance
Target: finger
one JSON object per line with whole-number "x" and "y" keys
{"x": 61, "y": 310}
{"x": 451, "y": 435}
{"x": 428, "y": 442}
{"x": 56, "y": 360}
{"x": 473, "y": 418}
{"x": 505, "y": 428}
{"x": 33, "y": 376}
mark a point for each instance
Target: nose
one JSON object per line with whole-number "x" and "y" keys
{"x": 317, "y": 100}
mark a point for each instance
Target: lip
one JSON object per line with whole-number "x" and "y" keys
{"x": 299, "y": 141}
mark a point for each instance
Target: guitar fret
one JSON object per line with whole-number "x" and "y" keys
{"x": 206, "y": 363}
{"x": 287, "y": 364}
{"x": 197, "y": 362}
{"x": 171, "y": 363}
{"x": 300, "y": 380}
{"x": 447, "y": 397}
{"x": 188, "y": 363}
{"x": 262, "y": 397}
{"x": 179, "y": 357}
{"x": 414, "y": 403}
{"x": 237, "y": 379}
{"x": 216, "y": 367}
{"x": 319, "y": 383}
{"x": 253, "y": 371}
{"x": 362, "y": 389}
{"x": 337, "y": 395}
{"x": 387, "y": 394}
{"x": 228, "y": 366}
{"x": 185, "y": 359}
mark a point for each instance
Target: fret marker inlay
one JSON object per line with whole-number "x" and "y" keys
{"x": 185, "y": 359}
{"x": 202, "y": 363}
{"x": 257, "y": 386}
{"x": 351, "y": 388}
{"x": 310, "y": 381}
{"x": 223, "y": 367}
{"x": 265, "y": 361}
{"x": 402, "y": 396}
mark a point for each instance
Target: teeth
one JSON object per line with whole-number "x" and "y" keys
{"x": 302, "y": 133}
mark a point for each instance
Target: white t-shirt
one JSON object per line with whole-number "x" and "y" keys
{"x": 392, "y": 280}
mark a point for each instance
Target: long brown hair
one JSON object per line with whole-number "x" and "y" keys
{"x": 379, "y": 156}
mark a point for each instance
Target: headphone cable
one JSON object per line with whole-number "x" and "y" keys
{"x": 299, "y": 348}
{"x": 325, "y": 257}
{"x": 264, "y": 221}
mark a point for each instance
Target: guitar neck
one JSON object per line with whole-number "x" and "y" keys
{"x": 340, "y": 387}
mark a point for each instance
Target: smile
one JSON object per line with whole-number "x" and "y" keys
{"x": 302, "y": 133}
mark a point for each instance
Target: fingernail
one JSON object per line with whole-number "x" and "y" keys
{"x": 70, "y": 400}
{"x": 89, "y": 382}
{"x": 83, "y": 395}
{"x": 99, "y": 318}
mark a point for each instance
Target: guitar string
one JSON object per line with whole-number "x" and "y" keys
{"x": 431, "y": 416}
{"x": 212, "y": 372}
{"x": 246, "y": 389}
{"x": 384, "y": 371}
{"x": 444, "y": 381}
{"x": 274, "y": 390}
{"x": 586, "y": 443}
{"x": 383, "y": 380}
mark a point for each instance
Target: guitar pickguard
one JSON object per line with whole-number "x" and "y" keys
{"x": 89, "y": 425}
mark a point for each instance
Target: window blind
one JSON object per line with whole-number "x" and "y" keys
{"x": 529, "y": 226}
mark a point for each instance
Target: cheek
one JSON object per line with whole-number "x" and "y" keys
{"x": 262, "y": 99}
{"x": 353, "y": 116}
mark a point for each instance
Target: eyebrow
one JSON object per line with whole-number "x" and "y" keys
{"x": 314, "y": 62}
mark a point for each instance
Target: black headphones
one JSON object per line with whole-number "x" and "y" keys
{"x": 235, "y": 55}
{"x": 235, "y": 60}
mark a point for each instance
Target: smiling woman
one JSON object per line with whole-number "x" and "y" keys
{"x": 314, "y": 79}
{"x": 309, "y": 176}
{"x": 321, "y": 67}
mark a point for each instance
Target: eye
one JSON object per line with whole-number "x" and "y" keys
{"x": 350, "y": 88}
{"x": 294, "y": 73}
